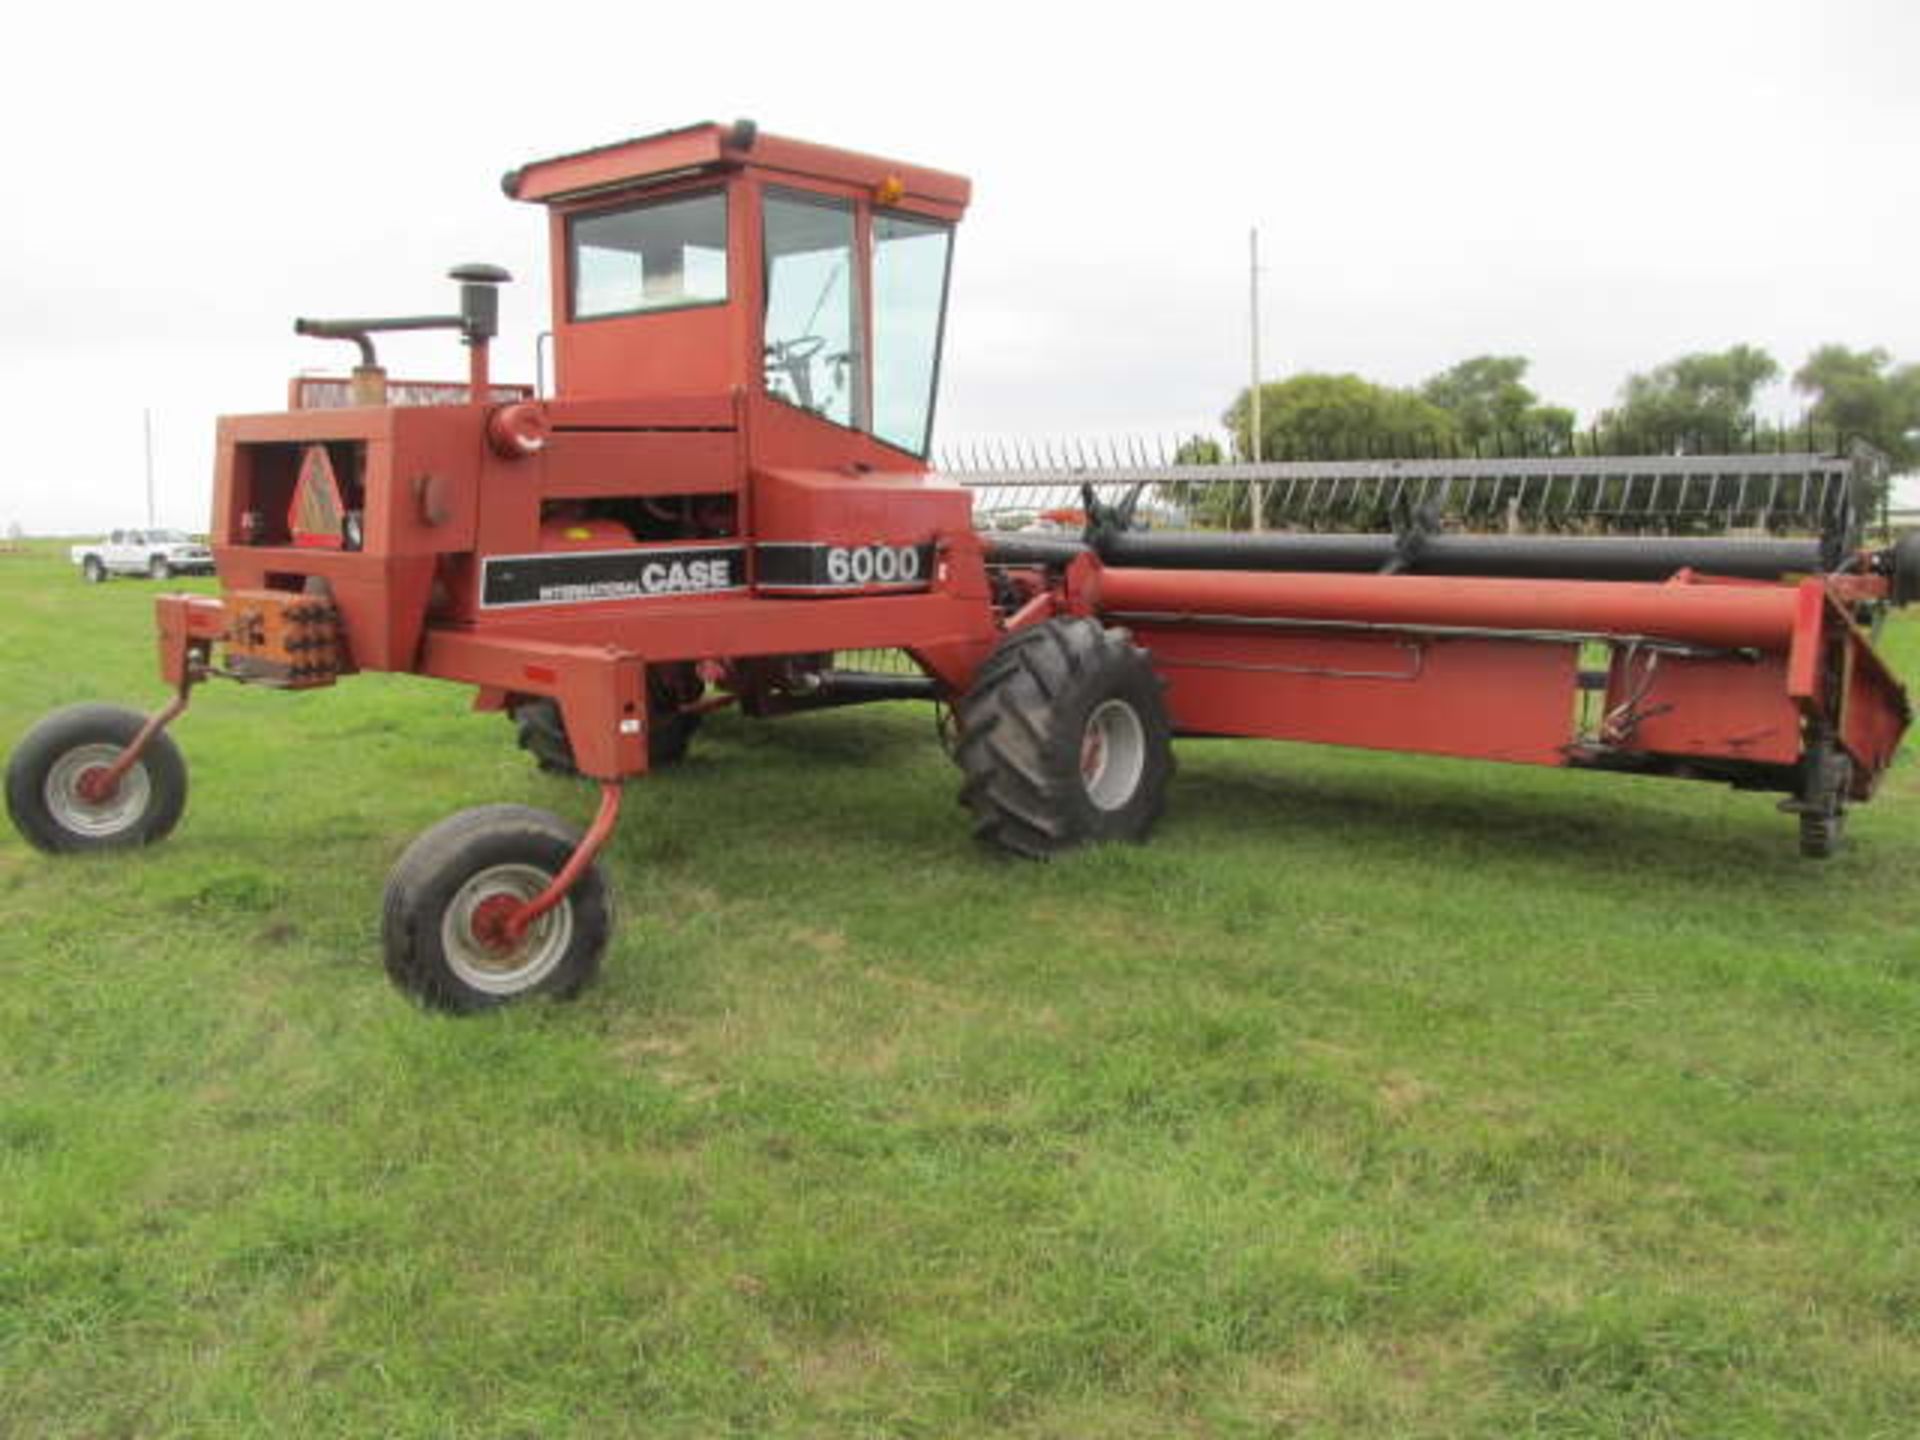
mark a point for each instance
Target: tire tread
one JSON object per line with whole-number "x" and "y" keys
{"x": 1020, "y": 732}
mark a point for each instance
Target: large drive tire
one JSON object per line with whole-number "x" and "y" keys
{"x": 543, "y": 735}
{"x": 93, "y": 570}
{"x": 1064, "y": 740}
{"x": 442, "y": 890}
{"x": 159, "y": 569}
{"x": 45, "y": 770}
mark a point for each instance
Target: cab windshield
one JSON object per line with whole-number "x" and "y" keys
{"x": 813, "y": 307}
{"x": 815, "y": 355}
{"x": 909, "y": 300}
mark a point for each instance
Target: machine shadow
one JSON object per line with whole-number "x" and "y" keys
{"x": 823, "y": 737}
{"x": 1469, "y": 811}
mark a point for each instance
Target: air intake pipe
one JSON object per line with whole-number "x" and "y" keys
{"x": 478, "y": 322}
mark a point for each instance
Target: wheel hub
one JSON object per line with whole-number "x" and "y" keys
{"x": 96, "y": 784}
{"x": 1113, "y": 754}
{"x": 79, "y": 798}
{"x": 492, "y": 923}
{"x": 1093, "y": 755}
{"x": 477, "y": 933}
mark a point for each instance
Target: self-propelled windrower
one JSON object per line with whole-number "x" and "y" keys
{"x": 727, "y": 488}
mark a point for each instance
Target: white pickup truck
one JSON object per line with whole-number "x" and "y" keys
{"x": 156, "y": 553}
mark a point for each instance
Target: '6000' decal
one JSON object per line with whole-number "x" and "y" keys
{"x": 814, "y": 569}
{"x": 583, "y": 577}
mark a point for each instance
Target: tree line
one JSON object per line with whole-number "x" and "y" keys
{"x": 1697, "y": 404}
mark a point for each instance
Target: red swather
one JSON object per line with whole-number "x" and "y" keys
{"x": 727, "y": 488}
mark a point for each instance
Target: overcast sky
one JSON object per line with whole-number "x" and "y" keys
{"x": 1599, "y": 186}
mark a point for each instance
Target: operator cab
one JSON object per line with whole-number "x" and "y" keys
{"x": 716, "y": 259}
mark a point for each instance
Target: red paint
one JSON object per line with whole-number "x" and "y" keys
{"x": 96, "y": 784}
{"x": 518, "y": 431}
{"x": 1496, "y": 700}
{"x": 1735, "y": 709}
{"x": 1808, "y": 651}
{"x": 492, "y": 923}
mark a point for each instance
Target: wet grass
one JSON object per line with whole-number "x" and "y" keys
{"x": 1377, "y": 1096}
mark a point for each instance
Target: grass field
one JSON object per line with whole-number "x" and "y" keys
{"x": 1378, "y": 1096}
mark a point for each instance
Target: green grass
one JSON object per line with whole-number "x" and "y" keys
{"x": 1379, "y": 1096}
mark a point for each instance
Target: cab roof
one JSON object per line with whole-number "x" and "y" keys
{"x": 693, "y": 149}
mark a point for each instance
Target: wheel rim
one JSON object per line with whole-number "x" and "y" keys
{"x": 97, "y": 820}
{"x": 499, "y": 969}
{"x": 1113, "y": 754}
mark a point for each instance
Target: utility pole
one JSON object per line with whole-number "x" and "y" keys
{"x": 1253, "y": 387}
{"x": 146, "y": 424}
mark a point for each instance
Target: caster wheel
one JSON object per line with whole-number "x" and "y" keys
{"x": 449, "y": 894}
{"x": 48, "y": 791}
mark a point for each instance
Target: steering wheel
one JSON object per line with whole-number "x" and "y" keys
{"x": 795, "y": 358}
{"x": 797, "y": 351}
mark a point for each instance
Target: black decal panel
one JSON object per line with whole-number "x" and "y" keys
{"x": 646, "y": 572}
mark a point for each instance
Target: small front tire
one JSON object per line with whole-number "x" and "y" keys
{"x": 93, "y": 570}
{"x": 159, "y": 569}
{"x": 46, "y": 773}
{"x": 446, "y": 894}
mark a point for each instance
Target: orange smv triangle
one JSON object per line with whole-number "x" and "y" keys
{"x": 314, "y": 518}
